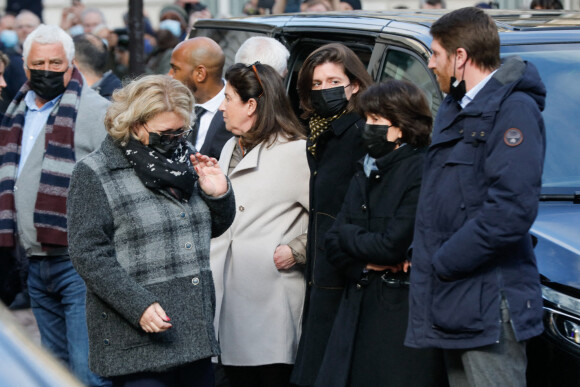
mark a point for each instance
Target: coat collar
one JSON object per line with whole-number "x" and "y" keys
{"x": 249, "y": 161}
{"x": 113, "y": 152}
{"x": 387, "y": 161}
{"x": 343, "y": 123}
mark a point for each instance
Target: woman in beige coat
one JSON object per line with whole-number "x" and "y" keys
{"x": 257, "y": 261}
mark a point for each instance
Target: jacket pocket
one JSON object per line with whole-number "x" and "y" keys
{"x": 456, "y": 306}
{"x": 466, "y": 162}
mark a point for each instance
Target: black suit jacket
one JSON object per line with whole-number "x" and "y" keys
{"x": 216, "y": 137}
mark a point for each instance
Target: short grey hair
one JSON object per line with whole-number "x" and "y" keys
{"x": 49, "y": 34}
{"x": 88, "y": 11}
{"x": 265, "y": 50}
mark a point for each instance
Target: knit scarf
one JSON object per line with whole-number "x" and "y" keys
{"x": 319, "y": 125}
{"x": 57, "y": 166}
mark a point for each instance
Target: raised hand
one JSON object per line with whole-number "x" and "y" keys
{"x": 211, "y": 178}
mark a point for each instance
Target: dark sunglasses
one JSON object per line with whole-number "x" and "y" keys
{"x": 168, "y": 137}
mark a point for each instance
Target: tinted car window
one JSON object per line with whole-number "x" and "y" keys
{"x": 402, "y": 65}
{"x": 559, "y": 67}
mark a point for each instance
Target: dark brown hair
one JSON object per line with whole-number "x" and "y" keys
{"x": 402, "y": 103}
{"x": 331, "y": 53}
{"x": 274, "y": 114}
{"x": 472, "y": 29}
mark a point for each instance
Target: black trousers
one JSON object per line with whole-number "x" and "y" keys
{"x": 269, "y": 375}
{"x": 196, "y": 374}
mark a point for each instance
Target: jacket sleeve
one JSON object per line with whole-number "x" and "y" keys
{"x": 389, "y": 246}
{"x": 335, "y": 254}
{"x": 513, "y": 178}
{"x": 92, "y": 251}
{"x": 222, "y": 209}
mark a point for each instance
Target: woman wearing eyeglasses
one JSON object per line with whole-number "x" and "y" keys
{"x": 141, "y": 212}
{"x": 257, "y": 262}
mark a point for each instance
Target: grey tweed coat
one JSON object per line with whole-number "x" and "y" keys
{"x": 134, "y": 246}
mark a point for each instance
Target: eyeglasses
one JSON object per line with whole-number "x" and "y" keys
{"x": 169, "y": 136}
{"x": 253, "y": 66}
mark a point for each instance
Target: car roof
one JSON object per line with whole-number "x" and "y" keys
{"x": 514, "y": 26}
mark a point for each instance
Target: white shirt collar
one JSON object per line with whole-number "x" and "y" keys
{"x": 213, "y": 104}
{"x": 470, "y": 95}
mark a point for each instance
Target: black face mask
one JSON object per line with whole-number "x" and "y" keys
{"x": 328, "y": 102}
{"x": 163, "y": 143}
{"x": 457, "y": 89}
{"x": 374, "y": 138}
{"x": 47, "y": 84}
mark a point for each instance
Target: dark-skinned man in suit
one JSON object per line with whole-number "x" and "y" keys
{"x": 198, "y": 63}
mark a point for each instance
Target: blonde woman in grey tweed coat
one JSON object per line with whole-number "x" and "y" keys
{"x": 140, "y": 222}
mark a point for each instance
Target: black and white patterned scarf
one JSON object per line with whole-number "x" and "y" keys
{"x": 174, "y": 175}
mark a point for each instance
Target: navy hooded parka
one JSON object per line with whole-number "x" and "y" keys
{"x": 479, "y": 198}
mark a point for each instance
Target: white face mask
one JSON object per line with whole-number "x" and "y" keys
{"x": 172, "y": 26}
{"x": 9, "y": 38}
{"x": 76, "y": 30}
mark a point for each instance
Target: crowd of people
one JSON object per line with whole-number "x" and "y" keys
{"x": 186, "y": 227}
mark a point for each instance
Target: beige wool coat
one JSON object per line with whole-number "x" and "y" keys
{"x": 258, "y": 307}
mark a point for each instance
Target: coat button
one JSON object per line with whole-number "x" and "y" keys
{"x": 462, "y": 206}
{"x": 188, "y": 245}
{"x": 241, "y": 208}
{"x": 482, "y": 134}
{"x": 104, "y": 315}
{"x": 195, "y": 281}
{"x": 182, "y": 214}
{"x": 377, "y": 177}
{"x": 363, "y": 207}
{"x": 358, "y": 286}
{"x": 106, "y": 342}
{"x": 473, "y": 134}
{"x": 315, "y": 173}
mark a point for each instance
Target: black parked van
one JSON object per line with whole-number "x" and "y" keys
{"x": 395, "y": 45}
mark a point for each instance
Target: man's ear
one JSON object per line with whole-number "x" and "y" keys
{"x": 461, "y": 57}
{"x": 199, "y": 73}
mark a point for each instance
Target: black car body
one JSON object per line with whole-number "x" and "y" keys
{"x": 396, "y": 45}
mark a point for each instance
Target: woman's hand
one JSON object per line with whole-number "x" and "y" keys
{"x": 211, "y": 178}
{"x": 283, "y": 257}
{"x": 154, "y": 319}
{"x": 403, "y": 266}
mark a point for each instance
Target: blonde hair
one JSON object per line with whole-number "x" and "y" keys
{"x": 143, "y": 99}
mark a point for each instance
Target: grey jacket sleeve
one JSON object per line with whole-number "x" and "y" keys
{"x": 90, "y": 124}
{"x": 92, "y": 251}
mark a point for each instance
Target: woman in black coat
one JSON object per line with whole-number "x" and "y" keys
{"x": 368, "y": 244}
{"x": 328, "y": 84}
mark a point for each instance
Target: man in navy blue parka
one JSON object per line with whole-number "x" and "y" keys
{"x": 475, "y": 288}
